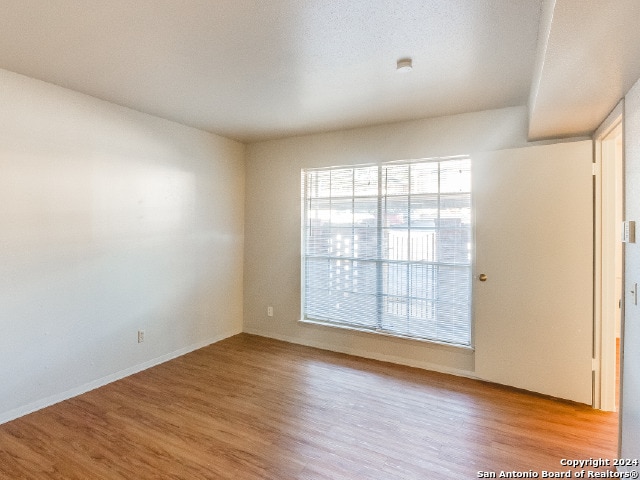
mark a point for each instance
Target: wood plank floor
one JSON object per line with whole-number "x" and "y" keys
{"x": 255, "y": 408}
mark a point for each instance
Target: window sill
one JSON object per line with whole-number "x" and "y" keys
{"x": 385, "y": 334}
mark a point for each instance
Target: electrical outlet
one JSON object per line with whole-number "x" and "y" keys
{"x": 269, "y": 311}
{"x": 140, "y": 336}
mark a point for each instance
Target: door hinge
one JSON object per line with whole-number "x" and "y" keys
{"x": 594, "y": 169}
{"x": 594, "y": 364}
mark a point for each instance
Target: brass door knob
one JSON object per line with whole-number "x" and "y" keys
{"x": 482, "y": 277}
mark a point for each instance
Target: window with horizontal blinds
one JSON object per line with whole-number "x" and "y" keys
{"x": 387, "y": 248}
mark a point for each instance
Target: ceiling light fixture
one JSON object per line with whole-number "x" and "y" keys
{"x": 404, "y": 65}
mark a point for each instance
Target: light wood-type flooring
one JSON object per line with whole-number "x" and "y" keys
{"x": 254, "y": 408}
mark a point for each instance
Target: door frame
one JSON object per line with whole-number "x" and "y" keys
{"x": 604, "y": 327}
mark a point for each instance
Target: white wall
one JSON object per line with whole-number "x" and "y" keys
{"x": 630, "y": 405}
{"x": 272, "y": 228}
{"x": 110, "y": 221}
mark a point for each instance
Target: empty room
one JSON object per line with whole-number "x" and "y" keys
{"x": 319, "y": 239}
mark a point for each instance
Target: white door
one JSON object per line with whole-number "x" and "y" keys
{"x": 534, "y": 242}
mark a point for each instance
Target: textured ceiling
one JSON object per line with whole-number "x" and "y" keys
{"x": 253, "y": 70}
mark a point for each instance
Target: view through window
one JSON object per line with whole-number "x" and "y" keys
{"x": 388, "y": 248}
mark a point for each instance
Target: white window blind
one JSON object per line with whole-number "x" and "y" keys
{"x": 388, "y": 248}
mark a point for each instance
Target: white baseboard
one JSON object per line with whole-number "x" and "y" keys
{"x": 367, "y": 354}
{"x": 74, "y": 392}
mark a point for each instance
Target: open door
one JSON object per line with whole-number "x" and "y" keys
{"x": 534, "y": 242}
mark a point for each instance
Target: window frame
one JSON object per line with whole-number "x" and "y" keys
{"x": 382, "y": 197}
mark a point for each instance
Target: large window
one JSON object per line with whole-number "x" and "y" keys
{"x": 387, "y": 248}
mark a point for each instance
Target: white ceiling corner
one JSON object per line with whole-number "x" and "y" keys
{"x": 591, "y": 59}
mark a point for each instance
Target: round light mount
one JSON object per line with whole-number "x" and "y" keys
{"x": 404, "y": 65}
